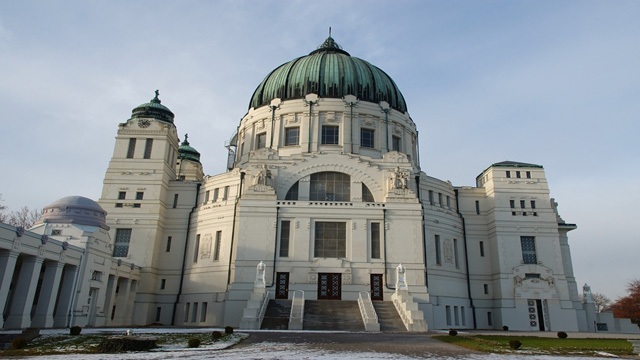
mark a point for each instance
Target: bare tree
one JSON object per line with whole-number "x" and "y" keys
{"x": 24, "y": 217}
{"x": 3, "y": 216}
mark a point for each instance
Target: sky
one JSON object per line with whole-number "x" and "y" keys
{"x": 555, "y": 83}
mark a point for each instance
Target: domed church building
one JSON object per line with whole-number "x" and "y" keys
{"x": 325, "y": 212}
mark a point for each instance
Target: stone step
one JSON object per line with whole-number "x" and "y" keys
{"x": 276, "y": 316}
{"x": 388, "y": 316}
{"x": 332, "y": 315}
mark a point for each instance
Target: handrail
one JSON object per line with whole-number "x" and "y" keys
{"x": 263, "y": 308}
{"x": 364, "y": 309}
{"x": 298, "y": 297}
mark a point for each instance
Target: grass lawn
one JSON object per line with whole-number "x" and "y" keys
{"x": 541, "y": 346}
{"x": 88, "y": 343}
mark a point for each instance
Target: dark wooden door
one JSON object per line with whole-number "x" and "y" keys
{"x": 282, "y": 288}
{"x": 376, "y": 287}
{"x": 329, "y": 286}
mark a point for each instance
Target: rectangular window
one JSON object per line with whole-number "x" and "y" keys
{"x": 194, "y": 313}
{"x": 448, "y": 314}
{"x": 196, "y": 249}
{"x": 147, "y": 148}
{"x": 395, "y": 143}
{"x": 375, "y": 240}
{"x": 508, "y": 174}
{"x": 330, "y": 135}
{"x": 528, "y": 244}
{"x": 168, "y": 244}
{"x": 139, "y": 195}
{"x": 163, "y": 283}
{"x": 158, "y": 312}
{"x": 132, "y": 148}
{"x": 136, "y": 205}
{"x": 56, "y": 232}
{"x": 187, "y": 306}
{"x": 531, "y": 276}
{"x": 518, "y": 174}
{"x": 330, "y": 239}
{"x": 292, "y": 136}
{"x": 118, "y": 204}
{"x": 440, "y": 200}
{"x": 261, "y": 140}
{"x": 462, "y": 315}
{"x": 285, "y": 231}
{"x": 438, "y": 258}
{"x": 175, "y": 201}
{"x": 522, "y": 204}
{"x": 225, "y": 193}
{"x": 456, "y": 315}
{"x": 512, "y": 204}
{"x": 206, "y": 196}
{"x": 477, "y": 207}
{"x": 216, "y": 253}
{"x": 431, "y": 197}
{"x": 485, "y": 288}
{"x": 455, "y": 253}
{"x": 203, "y": 312}
{"x": 533, "y": 204}
{"x": 489, "y": 319}
{"x": 448, "y": 201}
{"x": 122, "y": 195}
{"x": 216, "y": 193}
{"x": 366, "y": 138}
{"x": 482, "y": 248}
{"x": 121, "y": 246}
{"x": 528, "y": 174}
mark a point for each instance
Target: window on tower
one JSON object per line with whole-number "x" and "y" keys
{"x": 121, "y": 246}
{"x": 367, "y": 138}
{"x": 147, "y": 148}
{"x": 528, "y": 244}
{"x": 132, "y": 148}
{"x": 330, "y": 135}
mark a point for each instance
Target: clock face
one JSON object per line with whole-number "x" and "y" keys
{"x": 143, "y": 123}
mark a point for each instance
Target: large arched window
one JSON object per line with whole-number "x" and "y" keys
{"x": 330, "y": 186}
{"x": 367, "y": 196}
{"x": 292, "y": 194}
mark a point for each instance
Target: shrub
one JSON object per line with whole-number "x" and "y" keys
{"x": 18, "y": 343}
{"x": 216, "y": 335}
{"x": 453, "y": 332}
{"x": 194, "y": 342}
{"x": 228, "y": 330}
{"x": 75, "y": 330}
{"x": 562, "y": 335}
{"x": 505, "y": 328}
{"x": 515, "y": 344}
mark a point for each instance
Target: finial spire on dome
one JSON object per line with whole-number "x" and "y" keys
{"x": 330, "y": 45}
{"x": 156, "y": 99}
{"x": 185, "y": 142}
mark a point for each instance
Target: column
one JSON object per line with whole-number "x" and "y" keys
{"x": 109, "y": 297}
{"x": 64, "y": 297}
{"x": 24, "y": 292}
{"x": 131, "y": 302}
{"x": 122, "y": 301}
{"x": 43, "y": 317}
{"x": 7, "y": 267}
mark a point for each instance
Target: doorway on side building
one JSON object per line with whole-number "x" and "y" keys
{"x": 538, "y": 314}
{"x": 282, "y": 287}
{"x": 329, "y": 286}
{"x": 376, "y": 287}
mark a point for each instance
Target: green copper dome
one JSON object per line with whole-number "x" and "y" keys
{"x": 153, "y": 109}
{"x": 187, "y": 152}
{"x": 330, "y": 72}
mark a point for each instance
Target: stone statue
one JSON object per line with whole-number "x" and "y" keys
{"x": 263, "y": 177}
{"x": 586, "y": 291}
{"x": 260, "y": 281}
{"x": 398, "y": 179}
{"x": 401, "y": 281}
{"x": 554, "y": 206}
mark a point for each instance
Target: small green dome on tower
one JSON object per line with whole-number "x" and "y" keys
{"x": 187, "y": 152}
{"x": 330, "y": 72}
{"x": 153, "y": 109}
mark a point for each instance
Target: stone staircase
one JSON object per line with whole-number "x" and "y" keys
{"x": 388, "y": 316}
{"x": 332, "y": 315}
{"x": 276, "y": 317}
